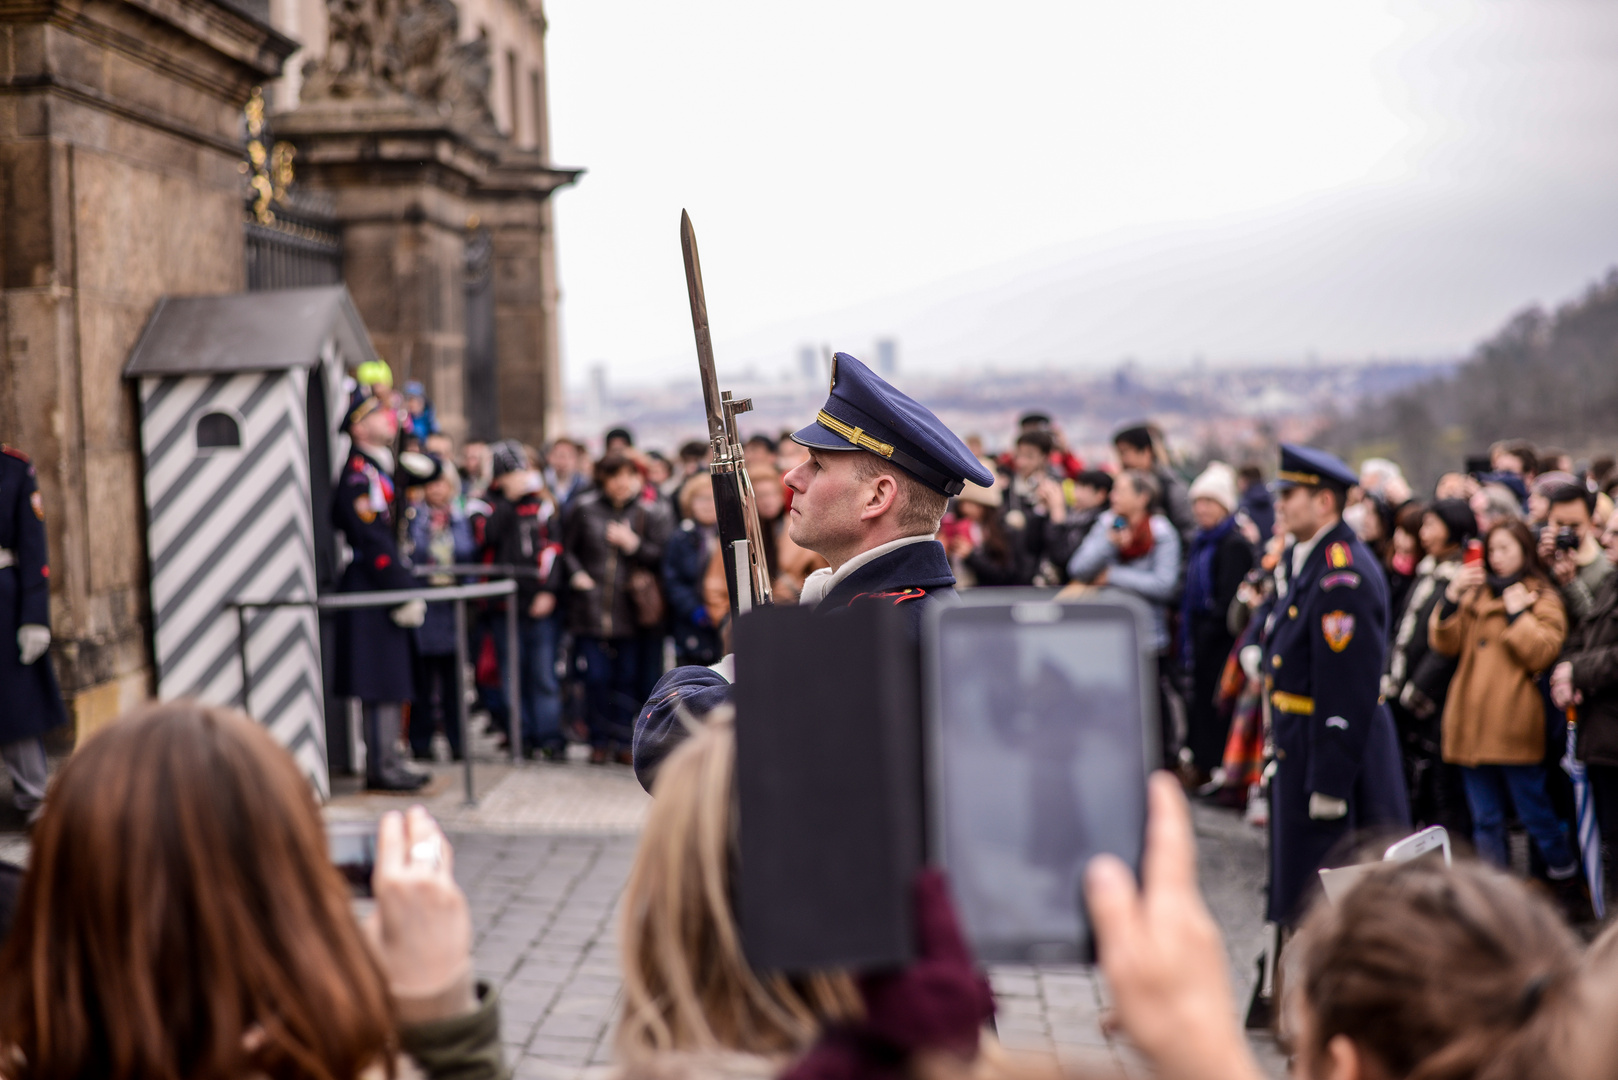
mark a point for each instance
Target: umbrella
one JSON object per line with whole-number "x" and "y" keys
{"x": 1589, "y": 832}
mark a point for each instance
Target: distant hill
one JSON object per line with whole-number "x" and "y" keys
{"x": 1551, "y": 377}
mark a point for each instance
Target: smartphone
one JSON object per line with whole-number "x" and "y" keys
{"x": 1120, "y": 522}
{"x": 1474, "y": 553}
{"x": 353, "y": 851}
{"x": 1040, "y": 732}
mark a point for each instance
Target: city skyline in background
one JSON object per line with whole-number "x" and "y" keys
{"x": 1073, "y": 187}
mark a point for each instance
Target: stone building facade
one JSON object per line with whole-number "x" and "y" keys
{"x": 120, "y": 141}
{"x": 426, "y": 122}
{"x": 419, "y": 124}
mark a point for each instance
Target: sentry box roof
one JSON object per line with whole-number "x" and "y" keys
{"x": 242, "y": 332}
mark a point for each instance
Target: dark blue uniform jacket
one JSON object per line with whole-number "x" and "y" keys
{"x": 373, "y": 654}
{"x": 910, "y": 578}
{"x": 30, "y": 701}
{"x": 1323, "y": 652}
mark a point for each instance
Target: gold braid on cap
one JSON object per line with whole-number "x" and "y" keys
{"x": 855, "y": 435}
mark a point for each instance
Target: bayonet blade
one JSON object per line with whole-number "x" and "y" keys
{"x": 699, "y": 323}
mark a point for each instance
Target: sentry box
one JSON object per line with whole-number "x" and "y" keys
{"x": 239, "y": 401}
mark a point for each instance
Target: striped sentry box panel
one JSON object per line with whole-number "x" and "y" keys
{"x": 228, "y": 523}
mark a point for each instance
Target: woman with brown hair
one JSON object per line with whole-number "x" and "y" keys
{"x": 1420, "y": 972}
{"x": 1439, "y": 972}
{"x": 1504, "y": 620}
{"x": 181, "y": 919}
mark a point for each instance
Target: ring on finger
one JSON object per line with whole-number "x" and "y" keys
{"x": 429, "y": 852}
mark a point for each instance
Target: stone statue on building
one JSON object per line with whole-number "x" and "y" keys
{"x": 403, "y": 52}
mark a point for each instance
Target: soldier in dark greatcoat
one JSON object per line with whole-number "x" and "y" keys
{"x": 880, "y": 473}
{"x": 1337, "y": 766}
{"x": 30, "y": 702}
{"x": 373, "y": 644}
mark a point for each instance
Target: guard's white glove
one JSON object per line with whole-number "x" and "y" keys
{"x": 32, "y": 641}
{"x": 1250, "y": 658}
{"x": 410, "y": 614}
{"x": 1326, "y": 808}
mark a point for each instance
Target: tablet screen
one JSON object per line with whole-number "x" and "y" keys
{"x": 1039, "y": 759}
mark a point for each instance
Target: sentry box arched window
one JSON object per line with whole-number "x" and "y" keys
{"x": 218, "y": 431}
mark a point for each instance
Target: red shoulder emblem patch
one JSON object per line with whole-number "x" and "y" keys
{"x": 1339, "y": 556}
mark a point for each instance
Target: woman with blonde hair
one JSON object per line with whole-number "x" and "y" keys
{"x": 687, "y": 984}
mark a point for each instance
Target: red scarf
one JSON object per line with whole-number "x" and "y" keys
{"x": 1140, "y": 540}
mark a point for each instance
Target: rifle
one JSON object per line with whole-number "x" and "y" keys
{"x": 740, "y": 534}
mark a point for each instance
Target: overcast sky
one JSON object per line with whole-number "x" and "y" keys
{"x": 1073, "y": 183}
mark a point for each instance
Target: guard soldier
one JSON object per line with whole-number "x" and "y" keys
{"x": 30, "y": 701}
{"x": 373, "y": 644}
{"x": 1337, "y": 767}
{"x": 880, "y": 473}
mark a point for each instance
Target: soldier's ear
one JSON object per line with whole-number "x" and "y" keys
{"x": 884, "y": 496}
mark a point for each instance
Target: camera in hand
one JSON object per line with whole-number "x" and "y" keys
{"x": 353, "y": 852}
{"x": 1567, "y": 538}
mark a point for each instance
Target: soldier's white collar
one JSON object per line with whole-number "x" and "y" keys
{"x": 1302, "y": 550}
{"x": 823, "y": 581}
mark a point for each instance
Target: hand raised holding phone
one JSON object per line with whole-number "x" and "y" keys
{"x": 421, "y": 930}
{"x": 1470, "y": 576}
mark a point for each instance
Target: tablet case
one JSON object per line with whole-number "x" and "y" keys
{"x": 829, "y": 785}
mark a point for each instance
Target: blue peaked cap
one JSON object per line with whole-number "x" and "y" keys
{"x": 1306, "y": 466}
{"x": 864, "y": 412}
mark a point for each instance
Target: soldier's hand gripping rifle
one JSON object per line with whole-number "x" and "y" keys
{"x": 741, "y": 538}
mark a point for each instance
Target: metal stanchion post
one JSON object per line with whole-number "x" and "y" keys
{"x": 514, "y": 680}
{"x": 241, "y": 657}
{"x": 461, "y": 716}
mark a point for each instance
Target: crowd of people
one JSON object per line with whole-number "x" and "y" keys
{"x": 1501, "y": 610}
{"x": 617, "y": 572}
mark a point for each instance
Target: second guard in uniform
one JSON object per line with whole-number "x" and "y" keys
{"x": 30, "y": 701}
{"x": 881, "y": 470}
{"x": 373, "y": 644}
{"x": 1337, "y": 766}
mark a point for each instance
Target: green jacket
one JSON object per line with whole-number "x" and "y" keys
{"x": 465, "y": 1047}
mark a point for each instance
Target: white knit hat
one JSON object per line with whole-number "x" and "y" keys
{"x": 1217, "y": 482}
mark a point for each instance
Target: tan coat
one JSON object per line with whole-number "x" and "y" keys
{"x": 1494, "y": 714}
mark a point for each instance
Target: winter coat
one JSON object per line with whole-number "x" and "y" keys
{"x": 1495, "y": 714}
{"x": 605, "y": 611}
{"x": 1175, "y": 504}
{"x": 439, "y": 543}
{"x": 1417, "y": 677}
{"x": 1154, "y": 576}
{"x": 1592, "y": 649}
{"x": 1578, "y": 595}
{"x": 685, "y": 564}
{"x": 525, "y": 533}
